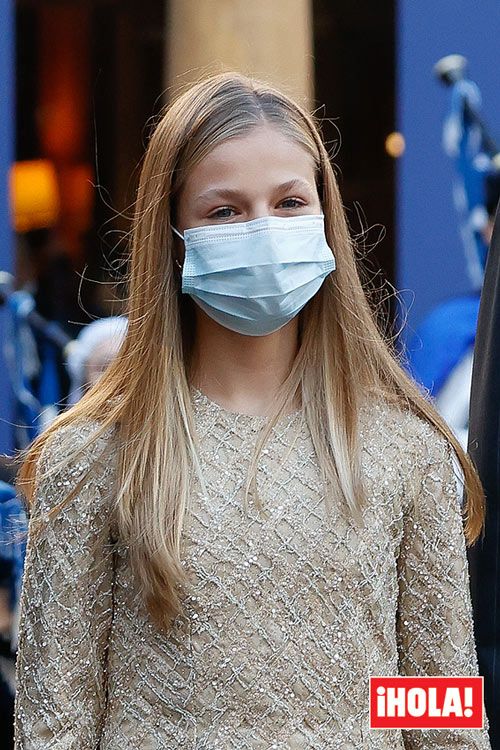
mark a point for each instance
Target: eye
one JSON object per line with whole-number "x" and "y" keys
{"x": 297, "y": 202}
{"x": 218, "y": 213}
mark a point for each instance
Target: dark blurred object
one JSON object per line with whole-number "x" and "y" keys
{"x": 54, "y": 282}
{"x": 492, "y": 191}
{"x": 484, "y": 449}
{"x": 7, "y": 715}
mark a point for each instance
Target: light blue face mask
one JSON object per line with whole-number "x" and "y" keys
{"x": 254, "y": 276}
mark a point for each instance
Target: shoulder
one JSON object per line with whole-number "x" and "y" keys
{"x": 85, "y": 438}
{"x": 404, "y": 443}
{"x": 401, "y": 430}
{"x": 75, "y": 459}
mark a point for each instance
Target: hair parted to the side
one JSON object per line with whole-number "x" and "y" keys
{"x": 342, "y": 355}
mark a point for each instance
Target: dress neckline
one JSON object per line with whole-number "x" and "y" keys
{"x": 202, "y": 400}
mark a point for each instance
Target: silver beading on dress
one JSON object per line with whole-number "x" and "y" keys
{"x": 287, "y": 616}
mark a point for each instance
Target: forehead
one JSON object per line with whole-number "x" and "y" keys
{"x": 264, "y": 155}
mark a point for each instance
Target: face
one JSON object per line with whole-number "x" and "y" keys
{"x": 263, "y": 173}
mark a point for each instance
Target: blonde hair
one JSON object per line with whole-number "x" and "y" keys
{"x": 145, "y": 390}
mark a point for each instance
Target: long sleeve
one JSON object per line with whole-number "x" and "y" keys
{"x": 434, "y": 618}
{"x": 66, "y": 603}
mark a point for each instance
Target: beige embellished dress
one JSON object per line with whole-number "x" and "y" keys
{"x": 287, "y": 616}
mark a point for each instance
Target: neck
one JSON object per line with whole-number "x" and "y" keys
{"x": 241, "y": 373}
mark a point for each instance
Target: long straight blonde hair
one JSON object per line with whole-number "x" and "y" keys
{"x": 341, "y": 356}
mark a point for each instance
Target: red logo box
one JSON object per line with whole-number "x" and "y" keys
{"x": 426, "y": 702}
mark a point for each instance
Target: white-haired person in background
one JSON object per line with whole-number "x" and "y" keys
{"x": 92, "y": 351}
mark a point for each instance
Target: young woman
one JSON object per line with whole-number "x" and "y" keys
{"x": 254, "y": 509}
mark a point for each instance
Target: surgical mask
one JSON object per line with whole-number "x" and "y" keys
{"x": 254, "y": 276}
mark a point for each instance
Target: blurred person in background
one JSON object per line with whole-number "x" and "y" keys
{"x": 440, "y": 352}
{"x": 92, "y": 351}
{"x": 46, "y": 271}
{"x": 453, "y": 398}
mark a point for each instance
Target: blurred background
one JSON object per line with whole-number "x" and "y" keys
{"x": 407, "y": 93}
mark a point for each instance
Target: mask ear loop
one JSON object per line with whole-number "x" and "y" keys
{"x": 182, "y": 238}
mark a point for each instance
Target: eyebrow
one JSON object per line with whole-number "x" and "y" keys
{"x": 227, "y": 193}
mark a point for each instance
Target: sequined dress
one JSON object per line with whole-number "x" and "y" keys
{"x": 287, "y": 616}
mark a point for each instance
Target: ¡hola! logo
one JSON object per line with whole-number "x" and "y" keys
{"x": 426, "y": 702}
